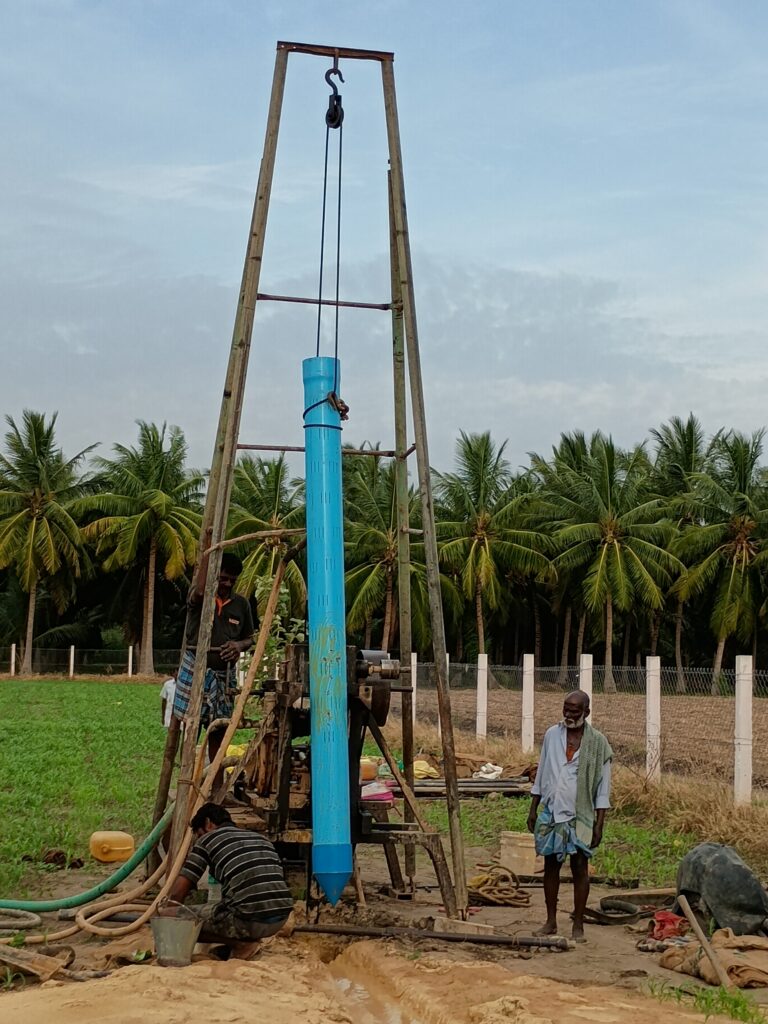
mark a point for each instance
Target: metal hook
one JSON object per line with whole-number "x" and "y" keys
{"x": 333, "y": 71}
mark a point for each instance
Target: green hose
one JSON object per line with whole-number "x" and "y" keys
{"x": 43, "y": 906}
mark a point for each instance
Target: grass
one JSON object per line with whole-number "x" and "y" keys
{"x": 80, "y": 756}
{"x": 75, "y": 757}
{"x": 731, "y": 1003}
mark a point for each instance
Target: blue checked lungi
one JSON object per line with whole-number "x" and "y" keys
{"x": 219, "y": 691}
{"x": 557, "y": 838}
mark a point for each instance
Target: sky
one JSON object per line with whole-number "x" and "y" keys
{"x": 586, "y": 186}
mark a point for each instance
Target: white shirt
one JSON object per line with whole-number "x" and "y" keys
{"x": 557, "y": 777}
{"x": 167, "y": 694}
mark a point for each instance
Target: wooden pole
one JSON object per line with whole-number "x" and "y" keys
{"x": 225, "y": 452}
{"x": 405, "y": 272}
{"x": 706, "y": 945}
{"x": 403, "y": 522}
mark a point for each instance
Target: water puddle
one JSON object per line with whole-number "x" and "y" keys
{"x": 366, "y": 1006}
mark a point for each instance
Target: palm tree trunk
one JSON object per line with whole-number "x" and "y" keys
{"x": 26, "y": 664}
{"x": 580, "y": 638}
{"x": 754, "y": 650}
{"x": 387, "y": 615}
{"x": 147, "y": 646}
{"x": 655, "y": 627}
{"x": 479, "y": 617}
{"x": 717, "y": 667}
{"x": 561, "y": 677}
{"x": 627, "y": 637}
{"x": 536, "y": 634}
{"x": 609, "y": 684}
{"x": 516, "y": 651}
{"x": 368, "y": 631}
{"x": 680, "y": 686}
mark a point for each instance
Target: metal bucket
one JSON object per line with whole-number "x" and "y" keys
{"x": 175, "y": 939}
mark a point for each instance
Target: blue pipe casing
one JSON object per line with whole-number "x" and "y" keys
{"x": 331, "y": 844}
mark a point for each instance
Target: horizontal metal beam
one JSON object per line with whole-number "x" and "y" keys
{"x": 264, "y": 297}
{"x": 335, "y": 51}
{"x": 377, "y": 453}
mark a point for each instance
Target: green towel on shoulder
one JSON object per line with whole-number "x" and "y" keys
{"x": 594, "y": 752}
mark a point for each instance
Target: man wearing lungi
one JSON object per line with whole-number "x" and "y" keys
{"x": 570, "y": 797}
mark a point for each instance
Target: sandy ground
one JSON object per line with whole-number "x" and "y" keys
{"x": 316, "y": 979}
{"x": 368, "y": 983}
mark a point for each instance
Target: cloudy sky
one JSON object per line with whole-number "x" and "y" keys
{"x": 587, "y": 198}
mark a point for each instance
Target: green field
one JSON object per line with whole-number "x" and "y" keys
{"x": 81, "y": 756}
{"x": 74, "y": 757}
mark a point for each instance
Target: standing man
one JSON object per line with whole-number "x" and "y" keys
{"x": 232, "y": 633}
{"x": 255, "y": 901}
{"x": 167, "y": 694}
{"x": 572, "y": 792}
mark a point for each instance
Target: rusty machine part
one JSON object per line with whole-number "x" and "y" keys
{"x": 274, "y": 784}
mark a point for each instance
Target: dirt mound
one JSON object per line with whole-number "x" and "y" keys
{"x": 368, "y": 983}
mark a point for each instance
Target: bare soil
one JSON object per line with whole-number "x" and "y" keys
{"x": 697, "y": 731}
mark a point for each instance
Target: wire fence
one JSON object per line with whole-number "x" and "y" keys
{"x": 63, "y": 661}
{"x": 697, "y": 711}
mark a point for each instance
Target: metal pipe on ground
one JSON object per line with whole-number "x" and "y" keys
{"x": 512, "y": 941}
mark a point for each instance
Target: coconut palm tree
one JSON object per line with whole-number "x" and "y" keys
{"x": 681, "y": 451}
{"x": 609, "y": 530}
{"x": 264, "y": 498}
{"x": 148, "y": 513}
{"x": 477, "y": 511}
{"x": 39, "y": 536}
{"x": 726, "y": 542}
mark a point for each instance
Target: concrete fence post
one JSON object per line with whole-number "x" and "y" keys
{"x": 13, "y": 659}
{"x": 585, "y": 679}
{"x": 481, "y": 729}
{"x": 130, "y": 660}
{"x": 72, "y": 662}
{"x": 414, "y": 680}
{"x": 653, "y": 718}
{"x": 241, "y": 670}
{"x": 742, "y": 735}
{"x": 527, "y": 731}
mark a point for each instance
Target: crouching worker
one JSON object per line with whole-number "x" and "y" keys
{"x": 255, "y": 901}
{"x": 572, "y": 790}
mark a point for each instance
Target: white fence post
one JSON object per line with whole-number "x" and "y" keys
{"x": 481, "y": 729}
{"x": 585, "y": 679}
{"x": 241, "y": 670}
{"x": 130, "y": 660}
{"x": 414, "y": 679}
{"x": 742, "y": 735}
{"x": 13, "y": 659}
{"x": 653, "y": 718}
{"x": 526, "y": 732}
{"x": 72, "y": 662}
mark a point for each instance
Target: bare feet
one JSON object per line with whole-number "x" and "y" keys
{"x": 577, "y": 932}
{"x": 550, "y": 928}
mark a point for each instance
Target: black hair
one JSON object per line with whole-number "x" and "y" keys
{"x": 231, "y": 563}
{"x": 214, "y": 813}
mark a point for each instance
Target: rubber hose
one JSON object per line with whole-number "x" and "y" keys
{"x": 13, "y": 921}
{"x": 44, "y": 906}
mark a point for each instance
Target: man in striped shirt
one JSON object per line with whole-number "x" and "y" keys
{"x": 255, "y": 901}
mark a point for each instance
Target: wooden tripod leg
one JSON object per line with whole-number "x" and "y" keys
{"x": 379, "y": 813}
{"x": 434, "y": 847}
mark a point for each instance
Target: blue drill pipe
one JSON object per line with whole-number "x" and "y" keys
{"x": 331, "y": 846}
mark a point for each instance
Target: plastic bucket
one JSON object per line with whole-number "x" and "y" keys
{"x": 175, "y": 939}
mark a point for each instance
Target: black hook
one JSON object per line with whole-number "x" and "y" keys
{"x": 333, "y": 71}
{"x": 335, "y": 113}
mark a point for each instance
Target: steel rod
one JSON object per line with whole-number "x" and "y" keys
{"x": 335, "y": 52}
{"x": 519, "y": 941}
{"x": 345, "y": 303}
{"x": 376, "y": 453}
{"x": 405, "y": 272}
{"x": 403, "y": 522}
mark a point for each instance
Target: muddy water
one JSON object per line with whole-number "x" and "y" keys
{"x": 366, "y": 1006}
